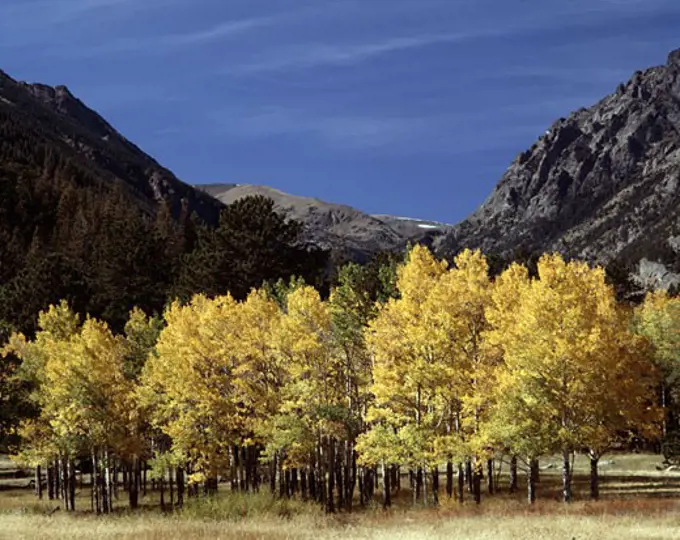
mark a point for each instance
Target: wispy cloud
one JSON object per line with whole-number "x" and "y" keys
{"x": 348, "y": 132}
{"x": 20, "y": 14}
{"x": 342, "y": 132}
{"x": 166, "y": 43}
{"x": 319, "y": 54}
{"x": 501, "y": 22}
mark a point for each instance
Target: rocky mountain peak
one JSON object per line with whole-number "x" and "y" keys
{"x": 600, "y": 184}
{"x": 674, "y": 58}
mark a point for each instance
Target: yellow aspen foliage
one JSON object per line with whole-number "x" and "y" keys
{"x": 312, "y": 396}
{"x": 259, "y": 374}
{"x": 658, "y": 320}
{"x": 562, "y": 353}
{"x": 81, "y": 389}
{"x": 404, "y": 365}
{"x": 190, "y": 381}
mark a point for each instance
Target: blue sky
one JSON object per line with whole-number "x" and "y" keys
{"x": 409, "y": 107}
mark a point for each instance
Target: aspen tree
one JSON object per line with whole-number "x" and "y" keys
{"x": 315, "y": 390}
{"x": 457, "y": 321}
{"x": 558, "y": 361}
{"x": 404, "y": 370}
{"x": 658, "y": 319}
{"x": 190, "y": 384}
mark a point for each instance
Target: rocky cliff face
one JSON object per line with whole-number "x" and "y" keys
{"x": 602, "y": 184}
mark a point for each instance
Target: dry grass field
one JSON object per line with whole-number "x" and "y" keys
{"x": 638, "y": 502}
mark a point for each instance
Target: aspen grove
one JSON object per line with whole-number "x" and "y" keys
{"x": 431, "y": 381}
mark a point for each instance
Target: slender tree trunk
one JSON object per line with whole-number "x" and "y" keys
{"x": 294, "y": 481}
{"x": 241, "y": 468}
{"x": 664, "y": 412}
{"x": 63, "y": 478}
{"x": 424, "y": 476}
{"x": 531, "y": 480}
{"x": 349, "y": 475}
{"x": 287, "y": 482}
{"x": 62, "y": 481}
{"x": 372, "y": 481}
{"x": 50, "y": 482}
{"x": 103, "y": 485}
{"x": 386, "y": 491}
{"x": 435, "y": 485}
{"x": 566, "y": 477}
{"x": 339, "y": 479}
{"x": 594, "y": 477}
{"x": 283, "y": 491}
{"x": 57, "y": 477}
{"x": 321, "y": 481}
{"x": 38, "y": 482}
{"x": 234, "y": 468}
{"x": 449, "y": 479}
{"x": 303, "y": 484}
{"x": 477, "y": 473}
{"x": 419, "y": 484}
{"x": 171, "y": 485}
{"x": 72, "y": 484}
{"x": 138, "y": 477}
{"x": 108, "y": 480}
{"x": 65, "y": 495}
{"x": 362, "y": 486}
{"x": 133, "y": 488}
{"x": 489, "y": 473}
{"x": 272, "y": 474}
{"x": 114, "y": 479}
{"x": 95, "y": 483}
{"x": 513, "y": 474}
{"x": 312, "y": 484}
{"x": 161, "y": 486}
{"x": 330, "y": 475}
{"x": 461, "y": 483}
{"x": 180, "y": 486}
{"x": 469, "y": 474}
{"x": 144, "y": 478}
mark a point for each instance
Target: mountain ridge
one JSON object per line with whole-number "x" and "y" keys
{"x": 601, "y": 184}
{"x": 341, "y": 228}
{"x": 55, "y": 114}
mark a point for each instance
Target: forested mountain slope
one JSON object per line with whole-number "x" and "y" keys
{"x": 87, "y": 216}
{"x": 62, "y": 127}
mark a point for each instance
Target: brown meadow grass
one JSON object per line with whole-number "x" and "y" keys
{"x": 638, "y": 502}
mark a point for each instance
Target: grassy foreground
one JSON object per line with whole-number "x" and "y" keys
{"x": 546, "y": 521}
{"x": 639, "y": 502}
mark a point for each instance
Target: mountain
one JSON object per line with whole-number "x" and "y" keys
{"x": 88, "y": 217}
{"x": 54, "y": 117}
{"x": 601, "y": 184}
{"x": 345, "y": 230}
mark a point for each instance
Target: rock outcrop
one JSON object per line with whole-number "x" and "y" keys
{"x": 602, "y": 184}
